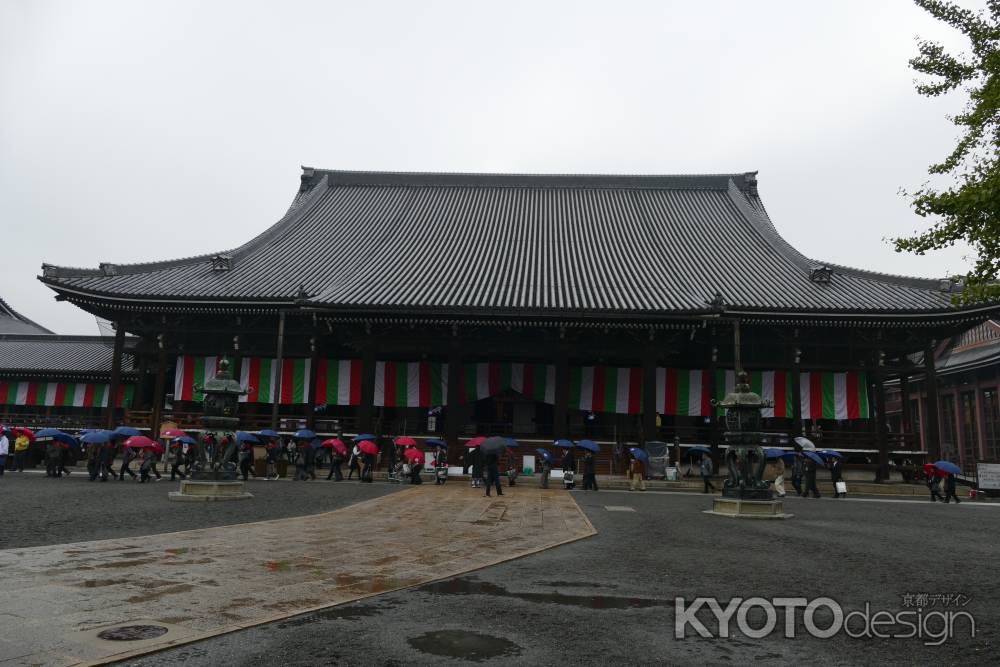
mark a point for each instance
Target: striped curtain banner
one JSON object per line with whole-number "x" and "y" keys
{"x": 482, "y": 380}
{"x": 338, "y": 382}
{"x": 259, "y": 378}
{"x": 401, "y": 384}
{"x": 834, "y": 395}
{"x": 606, "y": 389}
{"x": 683, "y": 392}
{"x": 773, "y": 386}
{"x": 193, "y": 372}
{"x": 62, "y": 394}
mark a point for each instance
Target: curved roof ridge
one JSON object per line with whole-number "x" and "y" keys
{"x": 299, "y": 206}
{"x": 8, "y": 311}
{"x": 757, "y": 213}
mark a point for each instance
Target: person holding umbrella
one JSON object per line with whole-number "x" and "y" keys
{"x": 176, "y": 457}
{"x": 569, "y": 468}
{"x": 837, "y": 477}
{"x": 810, "y": 486}
{"x": 4, "y": 448}
{"x": 707, "y": 468}
{"x": 489, "y": 453}
{"x": 637, "y": 469}
{"x": 797, "y": 470}
{"x": 415, "y": 458}
{"x": 21, "y": 445}
{"x": 949, "y": 489}
{"x": 546, "y": 466}
{"x": 369, "y": 450}
{"x": 476, "y": 457}
{"x": 589, "y": 475}
{"x": 933, "y": 482}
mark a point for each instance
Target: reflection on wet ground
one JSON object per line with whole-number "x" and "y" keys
{"x": 471, "y": 646}
{"x": 468, "y": 586}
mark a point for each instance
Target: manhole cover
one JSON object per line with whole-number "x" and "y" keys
{"x": 468, "y": 646}
{"x": 131, "y": 633}
{"x": 619, "y": 508}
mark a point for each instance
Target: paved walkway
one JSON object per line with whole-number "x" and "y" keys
{"x": 201, "y": 583}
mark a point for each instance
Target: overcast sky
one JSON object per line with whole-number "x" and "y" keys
{"x": 136, "y": 131}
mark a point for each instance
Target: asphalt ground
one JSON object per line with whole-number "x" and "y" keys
{"x": 609, "y": 599}
{"x": 40, "y": 510}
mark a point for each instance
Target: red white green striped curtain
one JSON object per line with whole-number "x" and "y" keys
{"x": 605, "y": 389}
{"x": 417, "y": 384}
{"x": 482, "y": 380}
{"x": 193, "y": 372}
{"x": 683, "y": 392}
{"x": 774, "y": 386}
{"x": 338, "y": 382}
{"x": 62, "y": 394}
{"x": 258, "y": 377}
{"x": 834, "y": 395}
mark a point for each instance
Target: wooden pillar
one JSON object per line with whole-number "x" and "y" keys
{"x": 796, "y": 373}
{"x": 649, "y": 430}
{"x": 881, "y": 427}
{"x": 366, "y": 410}
{"x": 931, "y": 429}
{"x": 454, "y": 412}
{"x": 116, "y": 375}
{"x": 714, "y": 425}
{"x": 280, "y": 356}
{"x": 159, "y": 386}
{"x": 236, "y": 368}
{"x": 139, "y": 400}
{"x": 311, "y": 389}
{"x": 560, "y": 410}
{"x": 905, "y": 418}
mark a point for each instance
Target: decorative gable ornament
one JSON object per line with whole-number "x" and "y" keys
{"x": 222, "y": 263}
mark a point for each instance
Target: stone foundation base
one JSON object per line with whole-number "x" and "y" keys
{"x": 192, "y": 490}
{"x": 736, "y": 508}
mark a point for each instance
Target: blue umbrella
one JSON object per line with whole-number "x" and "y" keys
{"x": 511, "y": 443}
{"x": 435, "y": 442}
{"x": 98, "y": 437}
{"x": 364, "y": 436}
{"x": 948, "y": 466}
{"x": 304, "y": 434}
{"x": 186, "y": 439}
{"x": 774, "y": 453}
{"x": 814, "y": 457}
{"x": 788, "y": 457}
{"x": 829, "y": 453}
{"x": 639, "y": 454}
{"x": 564, "y": 443}
{"x": 589, "y": 445}
{"x": 317, "y": 443}
{"x": 697, "y": 449}
{"x": 243, "y": 436}
{"x": 268, "y": 433}
{"x": 544, "y": 454}
{"x": 127, "y": 431}
{"x": 46, "y": 433}
{"x": 66, "y": 438}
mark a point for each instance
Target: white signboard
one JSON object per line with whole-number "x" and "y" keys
{"x": 989, "y": 475}
{"x": 528, "y": 463}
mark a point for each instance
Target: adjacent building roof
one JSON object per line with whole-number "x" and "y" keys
{"x": 12, "y": 322}
{"x": 524, "y": 244}
{"x": 978, "y": 347}
{"x": 63, "y": 356}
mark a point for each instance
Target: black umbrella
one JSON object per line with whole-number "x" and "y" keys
{"x": 494, "y": 445}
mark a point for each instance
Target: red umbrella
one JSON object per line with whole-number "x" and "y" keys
{"x": 475, "y": 442}
{"x": 172, "y": 433}
{"x": 26, "y": 432}
{"x": 413, "y": 454}
{"x": 931, "y": 469}
{"x": 368, "y": 447}
{"x": 139, "y": 442}
{"x": 335, "y": 443}
{"x": 405, "y": 441}
{"x": 155, "y": 447}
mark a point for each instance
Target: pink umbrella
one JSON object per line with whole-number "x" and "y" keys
{"x": 26, "y": 432}
{"x": 139, "y": 442}
{"x": 475, "y": 442}
{"x": 406, "y": 441}
{"x": 172, "y": 433}
{"x": 155, "y": 447}
{"x": 368, "y": 447}
{"x": 336, "y": 443}
{"x": 413, "y": 454}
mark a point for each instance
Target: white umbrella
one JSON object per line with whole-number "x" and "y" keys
{"x": 805, "y": 443}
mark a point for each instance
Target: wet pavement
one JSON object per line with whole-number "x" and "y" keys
{"x": 609, "y": 599}
{"x": 58, "y": 599}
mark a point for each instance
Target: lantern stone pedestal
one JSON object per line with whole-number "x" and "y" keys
{"x": 203, "y": 491}
{"x": 738, "y": 508}
{"x": 213, "y": 474}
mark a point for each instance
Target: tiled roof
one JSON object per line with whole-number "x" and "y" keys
{"x": 12, "y": 322}
{"x": 525, "y": 244}
{"x": 59, "y": 355}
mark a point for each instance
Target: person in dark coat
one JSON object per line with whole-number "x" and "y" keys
{"x": 589, "y": 474}
{"x": 175, "y": 454}
{"x": 797, "y": 469}
{"x": 440, "y": 461}
{"x": 934, "y": 486}
{"x": 949, "y": 489}
{"x": 415, "y": 469}
{"x": 147, "y": 466}
{"x": 93, "y": 461}
{"x": 336, "y": 460}
{"x": 546, "y": 470}
{"x": 368, "y": 472}
{"x": 127, "y": 455}
{"x": 810, "y": 479}
{"x": 354, "y": 464}
{"x": 61, "y": 468}
{"x": 569, "y": 465}
{"x": 246, "y": 459}
{"x": 105, "y": 461}
{"x": 836, "y": 475}
{"x": 52, "y": 457}
{"x": 492, "y": 462}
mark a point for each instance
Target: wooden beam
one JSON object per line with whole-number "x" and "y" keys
{"x": 116, "y": 376}
{"x": 932, "y": 429}
{"x": 159, "y": 385}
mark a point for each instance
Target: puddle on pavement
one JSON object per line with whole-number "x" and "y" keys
{"x": 172, "y": 590}
{"x": 472, "y": 646}
{"x": 97, "y": 583}
{"x": 463, "y": 586}
{"x": 573, "y": 584}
